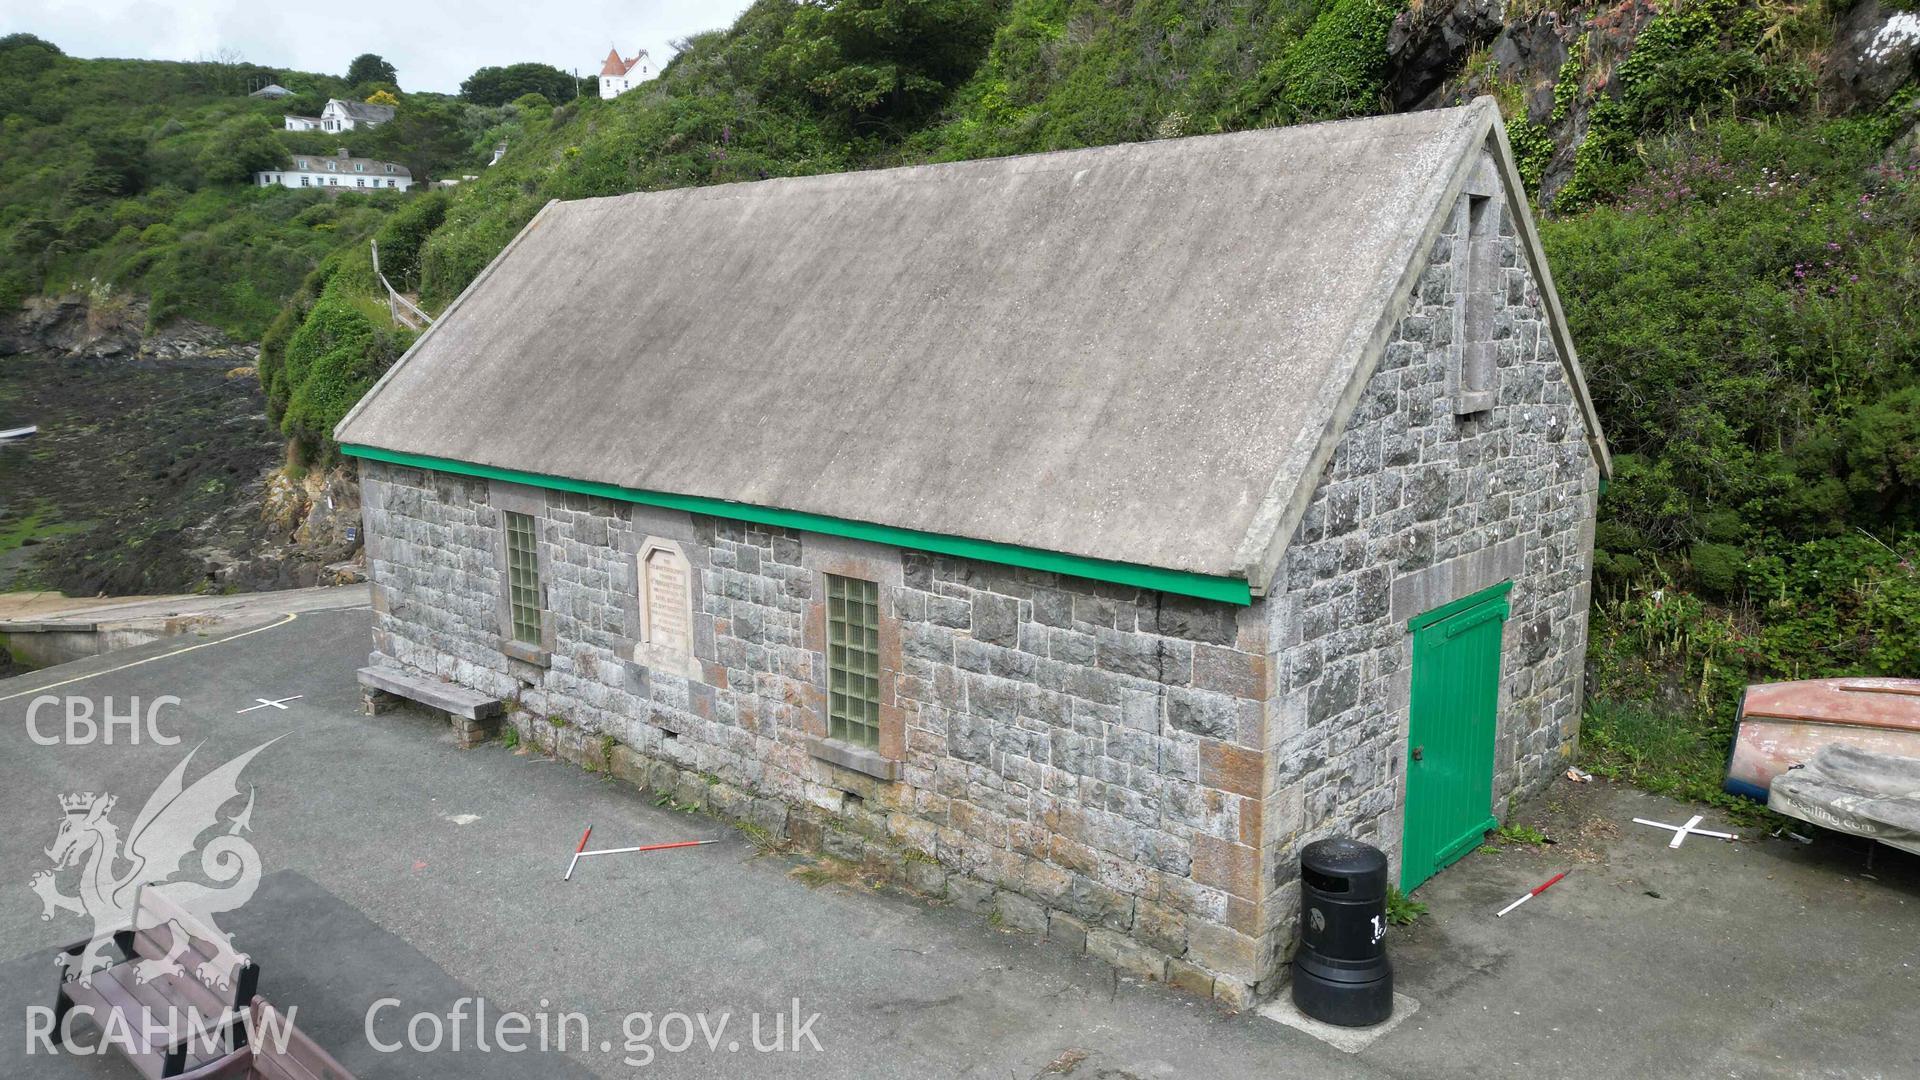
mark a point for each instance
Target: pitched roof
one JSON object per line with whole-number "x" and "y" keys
{"x": 364, "y": 112}
{"x": 1139, "y": 353}
{"x": 272, "y": 90}
{"x": 614, "y": 65}
{"x": 344, "y": 163}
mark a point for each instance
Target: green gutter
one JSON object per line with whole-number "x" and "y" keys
{"x": 1182, "y": 582}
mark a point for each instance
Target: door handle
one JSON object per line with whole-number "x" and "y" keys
{"x": 1419, "y": 753}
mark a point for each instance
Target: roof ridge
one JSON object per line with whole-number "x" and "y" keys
{"x": 1033, "y": 160}
{"x": 1146, "y": 355}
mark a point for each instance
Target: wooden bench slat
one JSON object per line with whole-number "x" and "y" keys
{"x": 445, "y": 696}
{"x": 150, "y": 999}
{"x": 281, "y": 1068}
{"x": 154, "y": 944}
{"x": 301, "y": 1059}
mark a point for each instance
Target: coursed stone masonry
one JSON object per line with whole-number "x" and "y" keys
{"x": 1126, "y": 771}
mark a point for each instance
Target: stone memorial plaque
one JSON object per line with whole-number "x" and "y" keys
{"x": 666, "y": 607}
{"x": 669, "y": 603}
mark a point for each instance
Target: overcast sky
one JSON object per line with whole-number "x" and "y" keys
{"x": 432, "y": 43}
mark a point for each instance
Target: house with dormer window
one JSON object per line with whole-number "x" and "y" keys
{"x": 341, "y": 115}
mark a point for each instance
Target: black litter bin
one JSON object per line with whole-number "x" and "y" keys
{"x": 1340, "y": 972}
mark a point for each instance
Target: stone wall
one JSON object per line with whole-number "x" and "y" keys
{"x": 1128, "y": 771}
{"x": 1419, "y": 507}
{"x": 1089, "y": 751}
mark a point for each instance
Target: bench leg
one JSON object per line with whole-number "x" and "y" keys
{"x": 376, "y": 702}
{"x": 62, "y": 1005}
{"x": 468, "y": 734}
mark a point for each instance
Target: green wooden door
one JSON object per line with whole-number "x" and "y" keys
{"x": 1453, "y": 711}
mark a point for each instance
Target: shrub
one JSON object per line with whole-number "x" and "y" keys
{"x": 330, "y": 361}
{"x": 404, "y": 233}
{"x": 1337, "y": 68}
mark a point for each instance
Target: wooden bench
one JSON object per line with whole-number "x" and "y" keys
{"x": 475, "y": 716}
{"x": 173, "y": 1015}
{"x": 277, "y": 1051}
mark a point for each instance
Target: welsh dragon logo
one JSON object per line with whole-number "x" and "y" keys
{"x": 164, "y": 835}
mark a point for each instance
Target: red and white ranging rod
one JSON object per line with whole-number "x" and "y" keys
{"x": 580, "y": 852}
{"x": 577, "y": 849}
{"x": 1542, "y": 887}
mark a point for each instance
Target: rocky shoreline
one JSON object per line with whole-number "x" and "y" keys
{"x": 156, "y": 469}
{"x": 80, "y": 327}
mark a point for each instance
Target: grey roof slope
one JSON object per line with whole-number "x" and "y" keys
{"x": 1139, "y": 353}
{"x": 364, "y": 112}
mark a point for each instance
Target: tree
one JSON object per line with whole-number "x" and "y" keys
{"x": 225, "y": 69}
{"x": 499, "y": 85}
{"x": 371, "y": 68}
{"x": 241, "y": 147}
{"x": 427, "y": 137}
{"x": 28, "y": 41}
{"x": 383, "y": 97}
{"x": 115, "y": 168}
{"x": 24, "y": 55}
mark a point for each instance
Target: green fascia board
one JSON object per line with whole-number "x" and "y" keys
{"x": 1180, "y": 582}
{"x": 1455, "y": 607}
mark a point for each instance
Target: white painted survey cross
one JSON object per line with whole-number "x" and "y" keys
{"x": 1681, "y": 832}
{"x": 265, "y": 704}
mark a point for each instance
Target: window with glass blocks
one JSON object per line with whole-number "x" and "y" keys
{"x": 523, "y": 578}
{"x": 853, "y": 660}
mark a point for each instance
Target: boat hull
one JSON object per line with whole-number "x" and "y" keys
{"x": 1782, "y": 725}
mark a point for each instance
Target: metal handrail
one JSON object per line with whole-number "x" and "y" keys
{"x": 404, "y": 311}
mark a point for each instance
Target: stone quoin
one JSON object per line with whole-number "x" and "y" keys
{"x": 1052, "y": 531}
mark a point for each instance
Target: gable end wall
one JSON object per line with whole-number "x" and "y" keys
{"x": 1418, "y": 507}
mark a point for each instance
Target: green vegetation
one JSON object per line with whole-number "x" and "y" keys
{"x": 1519, "y": 835}
{"x": 369, "y": 70}
{"x": 34, "y": 524}
{"x": 500, "y": 85}
{"x": 1403, "y": 910}
{"x": 325, "y": 350}
{"x": 122, "y": 177}
{"x": 1748, "y": 308}
{"x": 1666, "y": 751}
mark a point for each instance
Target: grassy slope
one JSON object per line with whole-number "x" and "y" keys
{"x": 134, "y": 176}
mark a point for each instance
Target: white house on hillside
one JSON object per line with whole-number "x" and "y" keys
{"x": 338, "y": 170}
{"x": 341, "y": 115}
{"x": 617, "y": 76}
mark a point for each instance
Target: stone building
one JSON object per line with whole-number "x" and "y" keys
{"x": 1078, "y": 534}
